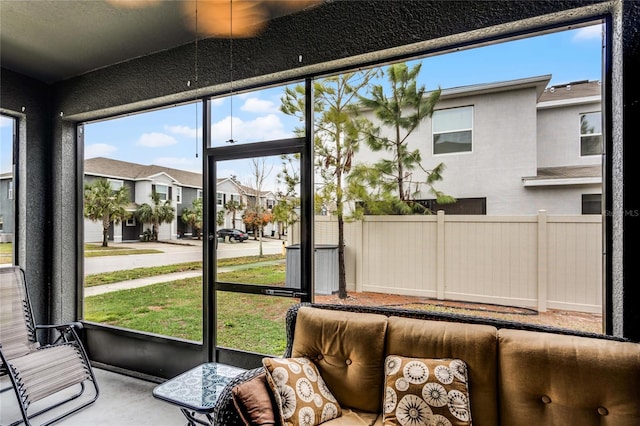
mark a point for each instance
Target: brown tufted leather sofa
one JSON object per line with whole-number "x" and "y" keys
{"x": 519, "y": 374}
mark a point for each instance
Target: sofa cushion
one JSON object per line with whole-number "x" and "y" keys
{"x": 561, "y": 379}
{"x": 348, "y": 348}
{"x": 475, "y": 344}
{"x": 425, "y": 391}
{"x": 254, "y": 401}
{"x": 302, "y": 396}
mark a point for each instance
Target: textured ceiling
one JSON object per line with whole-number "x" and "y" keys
{"x": 53, "y": 40}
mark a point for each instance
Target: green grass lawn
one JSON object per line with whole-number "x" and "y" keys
{"x": 131, "y": 274}
{"x": 6, "y": 250}
{"x": 245, "y": 321}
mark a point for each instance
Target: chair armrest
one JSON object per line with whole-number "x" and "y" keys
{"x": 225, "y": 412}
{"x": 77, "y": 325}
{"x": 65, "y": 331}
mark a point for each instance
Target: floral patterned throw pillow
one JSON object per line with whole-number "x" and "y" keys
{"x": 302, "y": 396}
{"x": 424, "y": 391}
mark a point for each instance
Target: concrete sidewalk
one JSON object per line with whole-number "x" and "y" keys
{"x": 142, "y": 282}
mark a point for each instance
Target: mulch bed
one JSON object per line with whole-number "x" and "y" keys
{"x": 572, "y": 320}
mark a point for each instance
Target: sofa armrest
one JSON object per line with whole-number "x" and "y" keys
{"x": 225, "y": 412}
{"x": 290, "y": 325}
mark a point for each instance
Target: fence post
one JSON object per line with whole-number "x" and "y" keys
{"x": 358, "y": 250}
{"x": 543, "y": 249}
{"x": 440, "y": 283}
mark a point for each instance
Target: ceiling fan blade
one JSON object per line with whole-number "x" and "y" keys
{"x": 226, "y": 18}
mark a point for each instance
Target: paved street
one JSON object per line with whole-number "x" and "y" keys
{"x": 186, "y": 251}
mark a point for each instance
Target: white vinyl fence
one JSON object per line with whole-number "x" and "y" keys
{"x": 541, "y": 262}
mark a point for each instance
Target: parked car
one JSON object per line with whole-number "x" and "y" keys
{"x": 233, "y": 234}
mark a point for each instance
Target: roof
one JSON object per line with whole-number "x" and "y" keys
{"x": 110, "y": 168}
{"x": 537, "y": 82}
{"x": 252, "y": 191}
{"x": 573, "y": 90}
{"x": 565, "y": 175}
{"x": 569, "y": 172}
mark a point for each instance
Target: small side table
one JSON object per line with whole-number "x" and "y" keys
{"x": 196, "y": 391}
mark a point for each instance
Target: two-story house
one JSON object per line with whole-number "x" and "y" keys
{"x": 513, "y": 147}
{"x": 229, "y": 190}
{"x": 180, "y": 187}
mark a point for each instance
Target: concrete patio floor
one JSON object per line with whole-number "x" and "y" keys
{"x": 123, "y": 401}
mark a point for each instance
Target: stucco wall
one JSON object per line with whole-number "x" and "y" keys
{"x": 559, "y": 136}
{"x": 503, "y": 151}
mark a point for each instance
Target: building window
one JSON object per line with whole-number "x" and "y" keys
{"x": 461, "y": 206}
{"x": 163, "y": 192}
{"x": 10, "y": 190}
{"x": 115, "y": 184}
{"x": 591, "y": 203}
{"x": 220, "y": 198}
{"x": 178, "y": 194}
{"x": 131, "y": 221}
{"x": 452, "y": 130}
{"x": 270, "y": 203}
{"x": 591, "y": 133}
{"x": 199, "y": 194}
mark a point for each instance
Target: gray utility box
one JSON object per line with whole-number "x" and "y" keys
{"x": 326, "y": 266}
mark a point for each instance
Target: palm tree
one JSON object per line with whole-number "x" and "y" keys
{"x": 234, "y": 206}
{"x": 193, "y": 216}
{"x": 157, "y": 214}
{"x": 103, "y": 203}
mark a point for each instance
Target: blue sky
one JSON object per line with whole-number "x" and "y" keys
{"x": 169, "y": 137}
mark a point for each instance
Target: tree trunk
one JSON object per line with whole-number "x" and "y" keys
{"x": 105, "y": 231}
{"x": 342, "y": 273}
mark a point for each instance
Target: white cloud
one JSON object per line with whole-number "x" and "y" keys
{"x": 588, "y": 33}
{"x": 259, "y": 106}
{"x": 99, "y": 150}
{"x": 192, "y": 164}
{"x": 263, "y": 128}
{"x": 186, "y": 131}
{"x": 153, "y": 140}
{"x": 217, "y": 101}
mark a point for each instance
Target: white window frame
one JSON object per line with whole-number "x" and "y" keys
{"x": 162, "y": 195}
{"x": 582, "y": 135}
{"x": 199, "y": 194}
{"x": 10, "y": 190}
{"x": 451, "y": 130}
{"x": 220, "y": 199}
{"x": 178, "y": 195}
{"x": 115, "y": 184}
{"x": 131, "y": 221}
